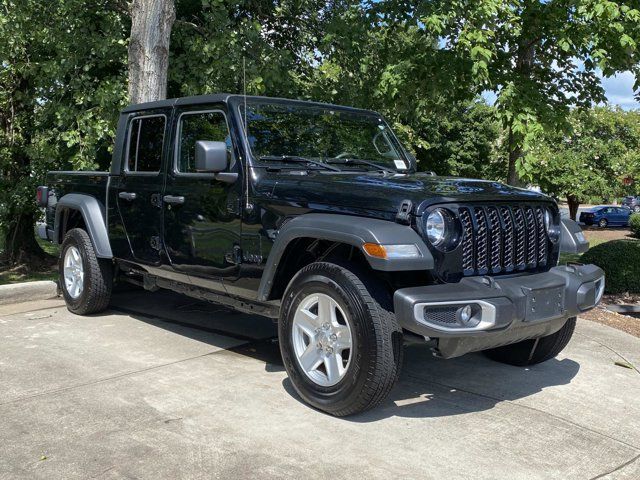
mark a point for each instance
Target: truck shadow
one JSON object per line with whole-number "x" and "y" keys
{"x": 432, "y": 387}
{"x": 428, "y": 386}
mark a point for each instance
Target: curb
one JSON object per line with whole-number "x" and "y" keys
{"x": 28, "y": 291}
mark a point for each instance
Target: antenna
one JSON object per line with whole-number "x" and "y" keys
{"x": 248, "y": 206}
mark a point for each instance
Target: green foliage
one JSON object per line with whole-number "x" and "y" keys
{"x": 539, "y": 57}
{"x": 620, "y": 260}
{"x": 62, "y": 82}
{"x": 601, "y": 147}
{"x": 634, "y": 224}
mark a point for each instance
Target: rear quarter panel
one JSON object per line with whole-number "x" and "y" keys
{"x": 61, "y": 183}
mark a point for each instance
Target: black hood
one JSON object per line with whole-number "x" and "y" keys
{"x": 368, "y": 191}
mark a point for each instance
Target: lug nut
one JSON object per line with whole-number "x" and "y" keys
{"x": 325, "y": 326}
{"x": 329, "y": 350}
{"x": 333, "y": 337}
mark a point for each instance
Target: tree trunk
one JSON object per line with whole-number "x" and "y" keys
{"x": 21, "y": 247}
{"x": 151, "y": 22}
{"x": 573, "y": 203}
{"x": 515, "y": 152}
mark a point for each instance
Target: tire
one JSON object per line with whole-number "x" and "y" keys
{"x": 603, "y": 223}
{"x": 375, "y": 357}
{"x": 97, "y": 275}
{"x": 530, "y": 352}
{"x": 636, "y": 209}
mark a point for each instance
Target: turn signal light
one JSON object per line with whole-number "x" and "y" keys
{"x": 389, "y": 252}
{"x": 375, "y": 250}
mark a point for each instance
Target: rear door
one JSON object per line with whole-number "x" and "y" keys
{"x": 138, "y": 187}
{"x": 201, "y": 214}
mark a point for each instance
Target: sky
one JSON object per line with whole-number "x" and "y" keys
{"x": 619, "y": 91}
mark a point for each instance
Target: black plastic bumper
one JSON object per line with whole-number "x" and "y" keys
{"x": 508, "y": 309}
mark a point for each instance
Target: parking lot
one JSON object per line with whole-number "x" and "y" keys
{"x": 162, "y": 386}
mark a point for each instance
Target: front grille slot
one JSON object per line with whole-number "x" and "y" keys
{"x": 504, "y": 239}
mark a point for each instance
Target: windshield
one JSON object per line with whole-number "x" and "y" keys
{"x": 326, "y": 134}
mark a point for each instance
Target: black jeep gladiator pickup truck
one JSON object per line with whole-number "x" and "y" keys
{"x": 314, "y": 215}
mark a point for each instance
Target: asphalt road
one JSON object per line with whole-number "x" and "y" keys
{"x": 161, "y": 386}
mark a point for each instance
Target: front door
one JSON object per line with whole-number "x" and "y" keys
{"x": 138, "y": 187}
{"x": 202, "y": 214}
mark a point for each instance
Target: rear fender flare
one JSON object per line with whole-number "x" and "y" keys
{"x": 93, "y": 214}
{"x": 350, "y": 230}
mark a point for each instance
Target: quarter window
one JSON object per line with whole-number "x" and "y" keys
{"x": 146, "y": 139}
{"x": 209, "y": 126}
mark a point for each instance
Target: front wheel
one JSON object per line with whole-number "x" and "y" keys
{"x": 85, "y": 280}
{"x": 636, "y": 209}
{"x": 340, "y": 341}
{"x": 530, "y": 352}
{"x": 603, "y": 223}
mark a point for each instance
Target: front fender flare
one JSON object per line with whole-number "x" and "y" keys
{"x": 354, "y": 231}
{"x": 92, "y": 212}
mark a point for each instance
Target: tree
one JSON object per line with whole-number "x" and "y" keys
{"x": 591, "y": 161}
{"x": 151, "y": 23}
{"x": 61, "y": 80}
{"x": 540, "y": 57}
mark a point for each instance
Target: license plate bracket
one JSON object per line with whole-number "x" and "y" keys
{"x": 544, "y": 303}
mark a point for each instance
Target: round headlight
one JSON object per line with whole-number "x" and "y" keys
{"x": 436, "y": 227}
{"x": 550, "y": 225}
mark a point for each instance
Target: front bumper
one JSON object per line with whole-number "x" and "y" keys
{"x": 505, "y": 310}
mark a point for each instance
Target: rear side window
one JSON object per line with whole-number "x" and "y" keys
{"x": 146, "y": 138}
{"x": 209, "y": 126}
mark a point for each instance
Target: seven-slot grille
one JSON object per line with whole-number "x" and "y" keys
{"x": 502, "y": 239}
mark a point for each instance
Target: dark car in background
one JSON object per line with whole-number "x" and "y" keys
{"x": 631, "y": 202}
{"x": 606, "y": 216}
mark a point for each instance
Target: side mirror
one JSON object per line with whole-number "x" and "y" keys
{"x": 211, "y": 157}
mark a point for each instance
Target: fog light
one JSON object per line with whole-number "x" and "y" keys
{"x": 465, "y": 313}
{"x": 469, "y": 316}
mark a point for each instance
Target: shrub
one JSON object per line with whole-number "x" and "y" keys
{"x": 620, "y": 260}
{"x": 634, "y": 223}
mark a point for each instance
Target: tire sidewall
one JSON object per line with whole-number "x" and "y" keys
{"x": 332, "y": 283}
{"x": 72, "y": 240}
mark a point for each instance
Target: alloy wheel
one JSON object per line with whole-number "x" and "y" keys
{"x": 73, "y": 272}
{"x": 322, "y": 339}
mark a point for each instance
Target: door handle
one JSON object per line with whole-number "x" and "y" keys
{"x": 127, "y": 196}
{"x": 173, "y": 199}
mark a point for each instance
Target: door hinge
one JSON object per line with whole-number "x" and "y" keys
{"x": 155, "y": 242}
{"x": 404, "y": 212}
{"x": 156, "y": 200}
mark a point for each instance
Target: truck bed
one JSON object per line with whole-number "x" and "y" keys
{"x": 60, "y": 183}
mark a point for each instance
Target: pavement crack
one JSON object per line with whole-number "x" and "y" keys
{"x": 55, "y": 391}
{"x": 619, "y": 467}
{"x": 510, "y": 402}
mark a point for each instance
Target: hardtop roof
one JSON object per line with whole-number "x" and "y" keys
{"x": 228, "y": 98}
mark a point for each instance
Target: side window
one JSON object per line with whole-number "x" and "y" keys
{"x": 146, "y": 137}
{"x": 210, "y": 126}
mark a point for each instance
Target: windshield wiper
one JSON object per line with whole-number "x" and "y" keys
{"x": 359, "y": 161}
{"x": 296, "y": 159}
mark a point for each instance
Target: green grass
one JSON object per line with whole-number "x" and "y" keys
{"x": 22, "y": 274}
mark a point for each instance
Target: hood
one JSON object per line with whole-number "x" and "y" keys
{"x": 384, "y": 193}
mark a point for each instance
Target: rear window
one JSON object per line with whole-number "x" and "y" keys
{"x": 146, "y": 138}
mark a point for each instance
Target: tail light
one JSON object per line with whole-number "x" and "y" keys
{"x": 42, "y": 196}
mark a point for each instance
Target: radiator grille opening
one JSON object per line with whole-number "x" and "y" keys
{"x": 505, "y": 239}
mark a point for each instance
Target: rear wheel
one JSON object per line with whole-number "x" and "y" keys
{"x": 530, "y": 352}
{"x": 85, "y": 280}
{"x": 603, "y": 223}
{"x": 340, "y": 341}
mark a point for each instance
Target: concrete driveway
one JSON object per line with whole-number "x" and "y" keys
{"x": 162, "y": 386}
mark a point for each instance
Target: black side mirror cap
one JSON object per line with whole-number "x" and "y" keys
{"x": 211, "y": 157}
